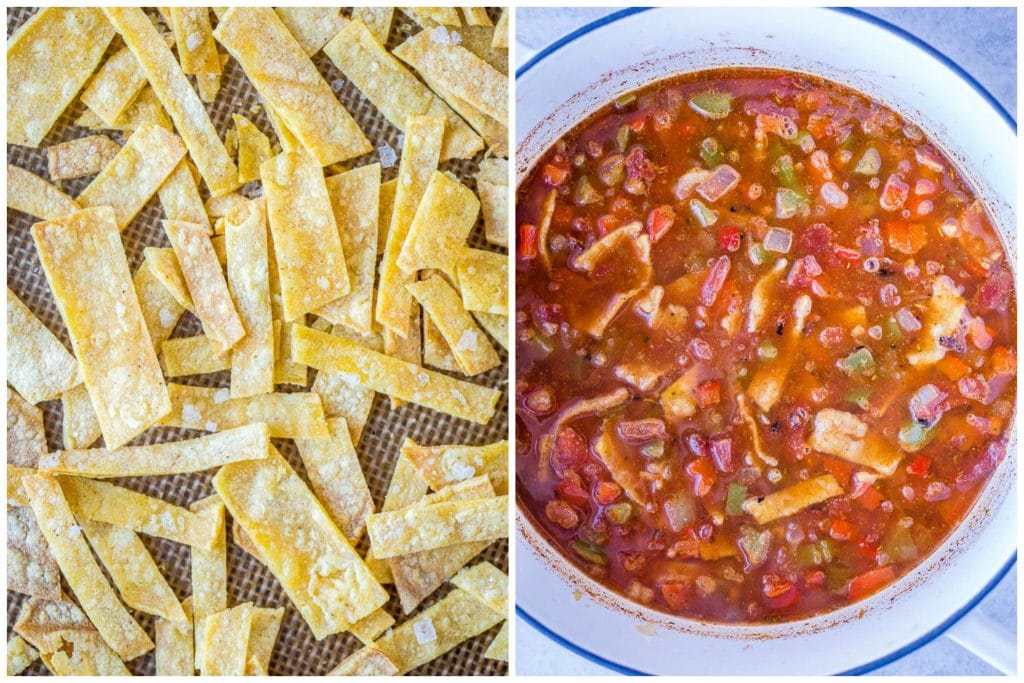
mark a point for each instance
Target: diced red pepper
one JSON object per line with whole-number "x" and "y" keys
{"x": 870, "y": 581}
{"x": 841, "y": 530}
{"x": 607, "y": 492}
{"x": 676, "y": 594}
{"x": 555, "y": 174}
{"x": 906, "y": 238}
{"x": 659, "y": 221}
{"x": 709, "y": 393}
{"x": 729, "y": 238}
{"x": 952, "y": 367}
{"x": 638, "y": 165}
{"x": 814, "y": 579}
{"x": 562, "y": 513}
{"x": 562, "y": 215}
{"x": 868, "y": 496}
{"x": 569, "y": 452}
{"x": 703, "y": 474}
{"x": 779, "y": 593}
{"x": 571, "y": 491}
{"x": 920, "y": 465}
{"x": 528, "y": 234}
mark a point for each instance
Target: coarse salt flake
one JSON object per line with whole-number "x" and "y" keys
{"x": 166, "y": 318}
{"x": 439, "y": 35}
{"x": 463, "y": 471}
{"x": 387, "y": 154}
{"x": 468, "y": 341}
{"x": 189, "y": 413}
{"x": 424, "y": 631}
{"x": 74, "y": 531}
{"x": 221, "y": 395}
{"x": 211, "y": 426}
{"x": 193, "y": 41}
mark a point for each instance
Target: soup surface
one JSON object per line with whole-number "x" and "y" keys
{"x": 766, "y": 346}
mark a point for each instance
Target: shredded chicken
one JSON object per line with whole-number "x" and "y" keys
{"x": 586, "y": 407}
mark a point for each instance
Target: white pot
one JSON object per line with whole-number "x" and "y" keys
{"x": 629, "y": 49}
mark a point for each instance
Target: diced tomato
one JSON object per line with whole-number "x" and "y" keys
{"x": 607, "y": 492}
{"x": 952, "y": 367}
{"x": 779, "y": 593}
{"x": 906, "y": 238}
{"x": 870, "y": 581}
{"x": 569, "y": 452}
{"x": 555, "y": 174}
{"x": 637, "y": 124}
{"x": 638, "y": 165}
{"x": 676, "y": 594}
{"x": 920, "y": 465}
{"x": 840, "y": 469}
{"x": 729, "y": 238}
{"x": 716, "y": 278}
{"x": 868, "y": 496}
{"x": 814, "y": 579}
{"x": 841, "y": 530}
{"x": 994, "y": 293}
{"x": 1004, "y": 361}
{"x": 659, "y": 221}
{"x": 703, "y": 474}
{"x": 571, "y": 491}
{"x": 709, "y": 393}
{"x": 846, "y": 253}
{"x": 528, "y": 234}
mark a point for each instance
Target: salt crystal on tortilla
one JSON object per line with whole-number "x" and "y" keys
{"x": 221, "y": 395}
{"x": 189, "y": 413}
{"x": 424, "y": 631}
{"x": 388, "y": 157}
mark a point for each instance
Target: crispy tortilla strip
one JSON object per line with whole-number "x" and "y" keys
{"x": 206, "y": 284}
{"x": 252, "y": 360}
{"x": 405, "y": 488}
{"x": 445, "y": 217}
{"x": 253, "y": 148}
{"x": 478, "y": 39}
{"x": 250, "y": 442}
{"x": 80, "y": 157}
{"x": 467, "y": 342}
{"x": 318, "y": 569}
{"x": 428, "y": 17}
{"x": 179, "y": 197}
{"x": 366, "y": 661}
{"x": 160, "y": 309}
{"x": 49, "y": 59}
{"x": 266, "y": 624}
{"x": 501, "y": 32}
{"x": 279, "y": 69}
{"x": 476, "y": 16}
{"x": 97, "y": 598}
{"x": 394, "y": 90}
{"x": 209, "y": 572}
{"x": 118, "y": 506}
{"x": 445, "y": 465}
{"x": 85, "y": 265}
{"x": 193, "y": 34}
{"x": 115, "y": 86}
{"x": 218, "y": 207}
{"x": 436, "y": 352}
{"x": 339, "y": 398}
{"x": 844, "y": 435}
{"x": 226, "y": 641}
{"x": 285, "y": 137}
{"x": 761, "y": 295}
{"x": 20, "y": 655}
{"x": 436, "y": 630}
{"x": 425, "y": 527}
{"x": 163, "y": 265}
{"x": 145, "y": 110}
{"x": 492, "y": 186}
{"x": 243, "y": 541}
{"x": 498, "y": 649}
{"x": 388, "y": 375}
{"x": 289, "y": 416}
{"x": 59, "y": 627}
{"x": 387, "y": 206}
{"x": 31, "y": 568}
{"x": 407, "y": 349}
{"x": 355, "y": 200}
{"x": 286, "y": 371}
{"x": 368, "y": 629}
{"x": 307, "y": 246}
{"x": 946, "y": 308}
{"x": 483, "y": 281}
{"x": 377, "y": 20}
{"x": 792, "y": 499}
{"x": 486, "y": 583}
{"x": 620, "y": 465}
{"x": 337, "y": 480}
{"x": 769, "y": 380}
{"x": 132, "y": 570}
{"x": 177, "y": 97}
{"x": 420, "y": 155}
{"x": 148, "y": 157}
{"x": 494, "y": 133}
{"x": 28, "y": 193}
{"x": 89, "y": 656}
{"x": 495, "y": 325}
{"x": 312, "y": 27}
{"x": 16, "y": 494}
{"x": 174, "y": 649}
{"x": 26, "y": 436}
{"x": 185, "y": 356}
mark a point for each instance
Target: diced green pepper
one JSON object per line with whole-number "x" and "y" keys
{"x": 914, "y": 436}
{"x": 711, "y": 104}
{"x": 837, "y": 577}
{"x": 620, "y": 513}
{"x": 892, "y": 331}
{"x": 870, "y": 163}
{"x": 622, "y": 137}
{"x": 710, "y": 152}
{"x": 814, "y": 554}
{"x": 860, "y": 397}
{"x": 653, "y": 450}
{"x": 756, "y": 253}
{"x": 734, "y": 498}
{"x": 585, "y": 193}
{"x": 625, "y": 100}
{"x": 755, "y": 544}
{"x": 784, "y": 169}
{"x": 859, "y": 362}
{"x": 589, "y": 552}
{"x": 805, "y": 141}
{"x": 899, "y": 545}
{"x": 704, "y": 215}
{"x": 789, "y": 203}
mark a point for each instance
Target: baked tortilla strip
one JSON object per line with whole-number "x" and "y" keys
{"x": 86, "y": 267}
{"x": 498, "y": 649}
{"x": 39, "y": 367}
{"x": 226, "y": 641}
{"x": 252, "y": 360}
{"x": 57, "y": 627}
{"x": 394, "y": 90}
{"x": 80, "y": 570}
{"x": 148, "y": 157}
{"x": 467, "y": 342}
{"x": 318, "y": 569}
{"x": 184, "y": 356}
{"x": 445, "y": 217}
{"x": 281, "y": 71}
{"x": 368, "y": 629}
{"x": 286, "y": 371}
{"x": 337, "y": 480}
{"x": 312, "y": 27}
{"x": 339, "y": 398}
{"x": 408, "y": 349}
{"x": 445, "y": 465}
{"x": 26, "y": 436}
{"x": 405, "y": 488}
{"x": 31, "y": 568}
{"x": 132, "y": 570}
{"x": 439, "y": 525}
{"x": 20, "y": 655}
{"x": 266, "y": 624}
{"x": 179, "y": 100}
{"x": 209, "y": 570}
{"x": 253, "y": 148}
{"x": 250, "y": 442}
{"x": 355, "y": 200}
{"x": 206, "y": 284}
{"x": 298, "y": 415}
{"x": 16, "y": 494}
{"x": 179, "y": 197}
{"x": 79, "y": 425}
{"x": 193, "y": 35}
{"x": 175, "y": 655}
{"x": 483, "y": 281}
{"x": 49, "y": 59}
{"x": 501, "y": 31}
{"x": 478, "y": 39}
{"x": 494, "y": 325}
{"x": 494, "y": 133}
{"x": 387, "y": 206}
{"x": 377, "y": 20}
{"x": 164, "y": 267}
{"x": 160, "y": 309}
{"x": 115, "y": 85}
{"x": 307, "y": 246}
{"x": 492, "y": 186}
{"x": 476, "y": 16}
{"x": 366, "y": 661}
{"x": 844, "y": 435}
{"x": 792, "y": 499}
{"x": 486, "y": 583}
{"x": 286, "y": 138}
{"x": 218, "y": 207}
{"x": 395, "y": 377}
{"x": 104, "y": 502}
{"x": 436, "y": 353}
{"x": 428, "y": 17}
{"x": 28, "y": 193}
{"x": 146, "y": 110}
{"x": 80, "y": 156}
{"x": 420, "y": 156}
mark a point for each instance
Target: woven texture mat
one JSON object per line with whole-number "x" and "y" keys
{"x": 297, "y": 652}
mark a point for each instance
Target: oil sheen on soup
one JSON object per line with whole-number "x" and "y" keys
{"x": 766, "y": 348}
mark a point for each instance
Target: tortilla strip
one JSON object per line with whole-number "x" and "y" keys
{"x": 281, "y": 71}
{"x": 49, "y": 59}
{"x": 193, "y": 34}
{"x": 16, "y": 494}
{"x": 501, "y": 31}
{"x": 289, "y": 416}
{"x": 486, "y": 583}
{"x": 792, "y": 499}
{"x": 174, "y": 645}
{"x": 145, "y": 110}
{"x": 946, "y": 307}
{"x": 115, "y": 85}
{"x": 26, "y": 436}
{"x": 394, "y": 90}
{"x": 618, "y": 462}
{"x": 97, "y": 598}
{"x": 184, "y": 356}
{"x": 286, "y": 138}
{"x": 436, "y": 352}
{"x": 339, "y": 398}
{"x": 355, "y": 200}
{"x": 31, "y": 568}
{"x": 337, "y": 480}
{"x": 492, "y": 186}
{"x": 286, "y": 371}
{"x": 177, "y": 97}
{"x": 408, "y": 349}
{"x": 445, "y": 217}
{"x": 428, "y": 17}
{"x": 163, "y": 265}
{"x": 160, "y": 309}
{"x": 368, "y": 629}
{"x": 405, "y": 488}
{"x": 761, "y": 295}
{"x": 80, "y": 156}
{"x": 132, "y": 570}
{"x": 377, "y": 20}
{"x": 466, "y": 341}
{"x": 312, "y": 27}
{"x": 425, "y": 527}
{"x": 209, "y": 572}
{"x": 420, "y": 156}
{"x": 253, "y": 148}
{"x": 85, "y": 265}
{"x": 266, "y": 624}
{"x": 28, "y": 193}
{"x": 388, "y": 375}
{"x": 118, "y": 506}
{"x": 498, "y": 649}
{"x": 766, "y": 385}
{"x": 148, "y": 157}
{"x": 326, "y": 580}
{"x": 476, "y": 16}
{"x": 20, "y": 655}
{"x": 179, "y": 197}
{"x": 387, "y": 207}
{"x": 307, "y": 246}
{"x": 494, "y": 325}
{"x": 59, "y": 627}
{"x": 445, "y": 465}
{"x": 366, "y": 661}
{"x": 844, "y": 435}
{"x": 218, "y": 207}
{"x": 483, "y": 281}
{"x": 226, "y": 641}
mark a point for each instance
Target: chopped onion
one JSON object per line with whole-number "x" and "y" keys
{"x": 907, "y": 320}
{"x": 779, "y": 240}
{"x": 681, "y": 510}
{"x": 925, "y": 405}
{"x": 722, "y": 179}
{"x": 833, "y": 195}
